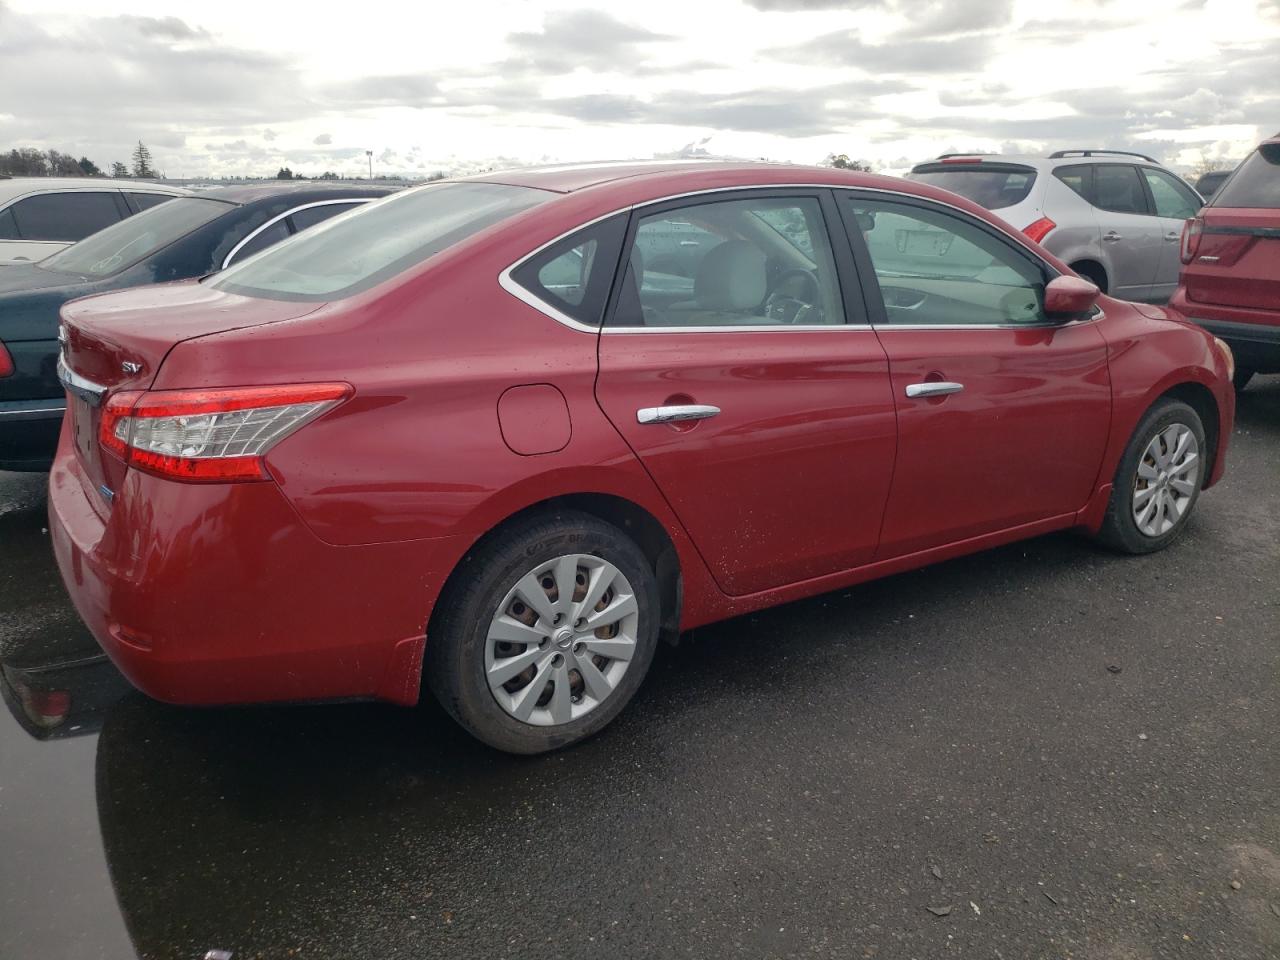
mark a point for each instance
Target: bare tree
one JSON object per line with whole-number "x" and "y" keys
{"x": 841, "y": 161}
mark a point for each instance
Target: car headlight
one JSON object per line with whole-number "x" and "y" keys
{"x": 1228, "y": 356}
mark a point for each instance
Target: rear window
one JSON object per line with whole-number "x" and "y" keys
{"x": 353, "y": 253}
{"x": 990, "y": 185}
{"x": 1256, "y": 182}
{"x": 122, "y": 245}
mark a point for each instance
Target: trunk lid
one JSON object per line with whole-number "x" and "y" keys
{"x": 116, "y": 342}
{"x": 1237, "y": 263}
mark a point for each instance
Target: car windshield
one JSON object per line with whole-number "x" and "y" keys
{"x": 123, "y": 244}
{"x": 1256, "y": 183}
{"x": 354, "y": 252}
{"x": 989, "y": 186}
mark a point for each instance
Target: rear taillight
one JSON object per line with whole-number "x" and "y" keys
{"x": 1192, "y": 230}
{"x": 210, "y": 436}
{"x": 1040, "y": 229}
{"x": 6, "y": 362}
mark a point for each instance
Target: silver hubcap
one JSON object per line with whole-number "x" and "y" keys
{"x": 1168, "y": 474}
{"x": 561, "y": 640}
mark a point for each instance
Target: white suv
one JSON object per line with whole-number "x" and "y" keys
{"x": 1115, "y": 217}
{"x": 41, "y": 215}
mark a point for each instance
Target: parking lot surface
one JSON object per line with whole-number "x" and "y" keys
{"x": 1046, "y": 750}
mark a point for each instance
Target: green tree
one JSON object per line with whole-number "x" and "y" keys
{"x": 118, "y": 169}
{"x": 841, "y": 161}
{"x": 142, "y": 161}
{"x": 89, "y": 168}
{"x": 284, "y": 173}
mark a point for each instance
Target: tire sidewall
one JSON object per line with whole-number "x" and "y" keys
{"x": 1124, "y": 526}
{"x": 458, "y": 678}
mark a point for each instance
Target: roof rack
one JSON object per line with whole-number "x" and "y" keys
{"x": 969, "y": 153}
{"x": 1059, "y": 154}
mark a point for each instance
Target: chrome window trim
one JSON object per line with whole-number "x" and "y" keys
{"x": 35, "y": 412}
{"x": 56, "y": 243}
{"x": 288, "y": 213}
{"x": 520, "y": 293}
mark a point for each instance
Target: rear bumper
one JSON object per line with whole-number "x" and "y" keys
{"x": 218, "y": 594}
{"x": 29, "y": 432}
{"x": 1254, "y": 335}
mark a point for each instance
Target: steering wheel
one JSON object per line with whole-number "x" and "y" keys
{"x": 792, "y": 305}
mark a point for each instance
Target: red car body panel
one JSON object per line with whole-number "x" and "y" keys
{"x": 320, "y": 583}
{"x": 1231, "y": 286}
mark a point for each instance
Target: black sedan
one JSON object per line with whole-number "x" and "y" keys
{"x": 184, "y": 238}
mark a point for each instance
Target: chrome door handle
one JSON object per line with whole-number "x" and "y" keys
{"x": 1112, "y": 237}
{"x": 1173, "y": 236}
{"x": 933, "y": 388}
{"x": 691, "y": 411}
{"x": 688, "y": 243}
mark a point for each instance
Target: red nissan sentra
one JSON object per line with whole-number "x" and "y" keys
{"x": 502, "y": 434}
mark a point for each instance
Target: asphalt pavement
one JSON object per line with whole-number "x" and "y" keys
{"x": 1043, "y": 751}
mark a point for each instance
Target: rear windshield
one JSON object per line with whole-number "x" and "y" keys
{"x": 362, "y": 248}
{"x": 989, "y": 185}
{"x": 1256, "y": 182}
{"x": 123, "y": 244}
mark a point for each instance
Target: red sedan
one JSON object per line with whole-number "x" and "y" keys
{"x": 500, "y": 435}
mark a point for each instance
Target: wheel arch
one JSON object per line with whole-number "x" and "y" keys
{"x": 648, "y": 532}
{"x": 1092, "y": 270}
{"x": 1200, "y": 399}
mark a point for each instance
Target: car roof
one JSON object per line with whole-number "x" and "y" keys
{"x": 242, "y": 194}
{"x": 11, "y": 187}
{"x": 567, "y": 178}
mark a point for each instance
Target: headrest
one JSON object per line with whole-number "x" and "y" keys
{"x": 731, "y": 277}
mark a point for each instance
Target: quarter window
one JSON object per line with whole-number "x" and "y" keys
{"x": 1079, "y": 177}
{"x": 573, "y": 275}
{"x": 65, "y": 217}
{"x": 936, "y": 268}
{"x": 8, "y": 227}
{"x": 310, "y": 216}
{"x": 1172, "y": 197}
{"x": 144, "y": 201}
{"x": 757, "y": 262}
{"x": 1117, "y": 188}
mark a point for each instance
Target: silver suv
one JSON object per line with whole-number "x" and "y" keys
{"x": 1115, "y": 217}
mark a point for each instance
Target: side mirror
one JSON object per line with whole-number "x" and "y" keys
{"x": 1069, "y": 297}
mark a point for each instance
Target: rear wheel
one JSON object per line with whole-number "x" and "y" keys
{"x": 1158, "y": 480}
{"x": 1093, "y": 273}
{"x": 545, "y": 634}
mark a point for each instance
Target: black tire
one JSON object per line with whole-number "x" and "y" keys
{"x": 1119, "y": 528}
{"x": 454, "y": 665}
{"x": 1242, "y": 378}
{"x": 1093, "y": 273}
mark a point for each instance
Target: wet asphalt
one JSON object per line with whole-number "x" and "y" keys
{"x": 1044, "y": 751}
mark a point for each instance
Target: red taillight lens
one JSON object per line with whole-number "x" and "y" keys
{"x": 6, "y": 362}
{"x": 1040, "y": 229}
{"x": 1191, "y": 233}
{"x": 210, "y": 436}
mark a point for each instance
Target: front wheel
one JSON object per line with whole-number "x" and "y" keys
{"x": 1158, "y": 480}
{"x": 546, "y": 632}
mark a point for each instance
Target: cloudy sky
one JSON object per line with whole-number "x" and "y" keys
{"x": 239, "y": 88}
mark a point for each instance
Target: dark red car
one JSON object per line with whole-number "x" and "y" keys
{"x": 467, "y": 436}
{"x": 1230, "y": 282}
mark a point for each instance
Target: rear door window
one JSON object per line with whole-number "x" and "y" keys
{"x": 65, "y": 217}
{"x": 992, "y": 185}
{"x": 1172, "y": 197}
{"x": 1118, "y": 188}
{"x": 1256, "y": 182}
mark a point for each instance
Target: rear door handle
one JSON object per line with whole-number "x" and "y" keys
{"x": 933, "y": 388}
{"x": 1112, "y": 237}
{"x": 1173, "y": 236}
{"x": 690, "y": 411}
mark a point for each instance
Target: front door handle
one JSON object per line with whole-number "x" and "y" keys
{"x": 933, "y": 388}
{"x": 689, "y": 411}
{"x": 1112, "y": 237}
{"x": 1173, "y": 236}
